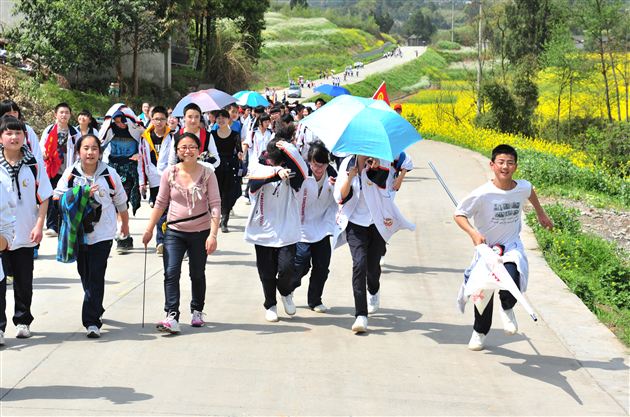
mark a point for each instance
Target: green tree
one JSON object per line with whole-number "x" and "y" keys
{"x": 384, "y": 21}
{"x": 419, "y": 25}
{"x": 55, "y": 35}
{"x": 298, "y": 3}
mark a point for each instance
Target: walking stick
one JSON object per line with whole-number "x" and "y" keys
{"x": 144, "y": 283}
{"x": 439, "y": 178}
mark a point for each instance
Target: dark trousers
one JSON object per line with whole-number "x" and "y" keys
{"x": 21, "y": 263}
{"x": 318, "y": 254}
{"x": 175, "y": 246}
{"x": 483, "y": 322}
{"x": 366, "y": 247}
{"x": 52, "y": 215}
{"x": 159, "y": 234}
{"x": 91, "y": 264}
{"x": 276, "y": 270}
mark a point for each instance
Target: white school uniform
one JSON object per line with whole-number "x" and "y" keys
{"x": 211, "y": 147}
{"x": 273, "y": 220}
{"x": 73, "y": 135}
{"x": 111, "y": 196}
{"x": 33, "y": 190}
{"x": 496, "y": 214}
{"x": 148, "y": 171}
{"x": 7, "y": 215}
{"x": 318, "y": 209}
{"x": 33, "y": 143}
{"x": 368, "y": 202}
{"x": 257, "y": 142}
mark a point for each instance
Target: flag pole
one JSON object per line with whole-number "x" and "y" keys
{"x": 439, "y": 178}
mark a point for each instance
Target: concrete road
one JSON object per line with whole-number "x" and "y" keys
{"x": 413, "y": 361}
{"x": 384, "y": 64}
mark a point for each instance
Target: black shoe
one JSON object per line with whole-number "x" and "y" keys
{"x": 124, "y": 245}
{"x": 224, "y": 228}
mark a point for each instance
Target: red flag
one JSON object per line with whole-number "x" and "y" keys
{"x": 381, "y": 93}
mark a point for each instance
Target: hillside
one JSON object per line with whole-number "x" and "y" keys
{"x": 305, "y": 46}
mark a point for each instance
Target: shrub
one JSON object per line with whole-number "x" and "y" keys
{"x": 448, "y": 45}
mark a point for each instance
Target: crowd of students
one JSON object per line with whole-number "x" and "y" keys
{"x": 304, "y": 202}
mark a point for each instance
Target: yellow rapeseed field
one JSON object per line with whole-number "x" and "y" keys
{"x": 454, "y": 120}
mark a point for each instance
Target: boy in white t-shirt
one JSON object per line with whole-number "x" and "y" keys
{"x": 496, "y": 208}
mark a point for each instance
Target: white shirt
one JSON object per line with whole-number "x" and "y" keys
{"x": 7, "y": 215}
{"x": 28, "y": 204}
{"x": 317, "y": 209}
{"x": 496, "y": 213}
{"x": 110, "y": 200}
{"x": 257, "y": 142}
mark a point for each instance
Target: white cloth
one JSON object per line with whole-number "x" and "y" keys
{"x": 110, "y": 200}
{"x": 28, "y": 204}
{"x": 257, "y": 142}
{"x": 386, "y": 216}
{"x": 7, "y": 214}
{"x": 317, "y": 209}
{"x": 274, "y": 219}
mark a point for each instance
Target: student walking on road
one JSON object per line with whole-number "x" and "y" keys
{"x": 496, "y": 209}
{"x": 57, "y": 145}
{"x": 228, "y": 144}
{"x": 100, "y": 188}
{"x": 31, "y": 190}
{"x": 369, "y": 217}
{"x": 190, "y": 191}
{"x": 318, "y": 209}
{"x": 273, "y": 225}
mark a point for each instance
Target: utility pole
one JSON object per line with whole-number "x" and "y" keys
{"x": 452, "y": 20}
{"x": 479, "y": 52}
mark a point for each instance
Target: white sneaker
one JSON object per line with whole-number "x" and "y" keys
{"x": 360, "y": 324}
{"x": 197, "y": 319}
{"x": 159, "y": 249}
{"x": 1, "y": 338}
{"x": 476, "y": 341}
{"x": 51, "y": 233}
{"x": 510, "y": 326}
{"x": 320, "y": 308}
{"x": 23, "y": 332}
{"x": 287, "y": 302}
{"x": 271, "y": 314}
{"x": 374, "y": 302}
{"x": 169, "y": 324}
{"x": 93, "y": 332}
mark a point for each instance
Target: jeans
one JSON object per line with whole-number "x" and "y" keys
{"x": 318, "y": 254}
{"x": 21, "y": 263}
{"x": 91, "y": 264}
{"x": 483, "y": 322}
{"x": 272, "y": 262}
{"x": 366, "y": 247}
{"x": 176, "y": 244}
{"x": 52, "y": 215}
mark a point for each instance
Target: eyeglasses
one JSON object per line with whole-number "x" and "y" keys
{"x": 187, "y": 148}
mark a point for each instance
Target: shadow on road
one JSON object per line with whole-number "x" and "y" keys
{"x": 394, "y": 269}
{"x": 550, "y": 369}
{"x": 116, "y": 395}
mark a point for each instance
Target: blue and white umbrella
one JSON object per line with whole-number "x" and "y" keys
{"x": 331, "y": 90}
{"x": 250, "y": 98}
{"x": 362, "y": 126}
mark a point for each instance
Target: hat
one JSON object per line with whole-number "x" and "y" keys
{"x": 398, "y": 106}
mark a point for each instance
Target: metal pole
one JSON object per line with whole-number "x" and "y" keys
{"x": 144, "y": 284}
{"x": 439, "y": 178}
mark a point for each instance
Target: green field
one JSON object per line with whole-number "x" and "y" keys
{"x": 295, "y": 46}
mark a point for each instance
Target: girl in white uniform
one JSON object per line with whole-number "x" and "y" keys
{"x": 106, "y": 198}
{"x": 318, "y": 210}
{"x": 31, "y": 189}
{"x": 273, "y": 225}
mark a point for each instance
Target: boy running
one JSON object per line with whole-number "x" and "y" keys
{"x": 496, "y": 209}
